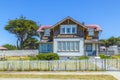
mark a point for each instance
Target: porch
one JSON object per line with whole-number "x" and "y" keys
{"x": 91, "y": 47}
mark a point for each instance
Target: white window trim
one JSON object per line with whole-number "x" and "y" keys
{"x": 70, "y": 50}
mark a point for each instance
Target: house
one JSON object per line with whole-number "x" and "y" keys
{"x": 69, "y": 38}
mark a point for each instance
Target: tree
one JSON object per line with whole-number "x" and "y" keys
{"x": 10, "y": 47}
{"x": 31, "y": 43}
{"x": 23, "y": 29}
{"x": 110, "y": 41}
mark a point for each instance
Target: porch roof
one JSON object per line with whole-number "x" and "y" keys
{"x": 92, "y": 41}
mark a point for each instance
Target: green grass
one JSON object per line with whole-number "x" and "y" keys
{"x": 17, "y": 58}
{"x": 51, "y": 76}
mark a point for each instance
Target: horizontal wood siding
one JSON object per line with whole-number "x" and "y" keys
{"x": 47, "y": 38}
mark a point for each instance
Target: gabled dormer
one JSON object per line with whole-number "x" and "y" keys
{"x": 93, "y": 32}
{"x": 68, "y": 28}
{"x": 45, "y": 33}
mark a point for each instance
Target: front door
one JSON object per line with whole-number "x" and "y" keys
{"x": 90, "y": 51}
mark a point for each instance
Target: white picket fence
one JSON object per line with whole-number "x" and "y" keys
{"x": 61, "y": 65}
{"x": 18, "y": 53}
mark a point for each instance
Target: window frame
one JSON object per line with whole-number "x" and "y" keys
{"x": 46, "y": 32}
{"x": 89, "y": 32}
{"x": 68, "y": 46}
{"x": 66, "y": 28}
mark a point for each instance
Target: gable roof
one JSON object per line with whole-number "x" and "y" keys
{"x": 68, "y": 17}
{"x": 96, "y": 27}
{"x": 42, "y": 28}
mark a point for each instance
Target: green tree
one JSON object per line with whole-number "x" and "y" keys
{"x": 10, "y": 47}
{"x": 31, "y": 43}
{"x": 23, "y": 29}
{"x": 110, "y": 41}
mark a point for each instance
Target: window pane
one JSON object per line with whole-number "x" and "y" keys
{"x": 59, "y": 46}
{"x": 68, "y": 45}
{"x": 91, "y": 32}
{"x": 68, "y": 30}
{"x": 47, "y": 32}
{"x": 73, "y": 29}
{"x": 44, "y": 47}
{"x": 64, "y": 45}
{"x": 62, "y": 29}
{"x": 72, "y": 46}
{"x": 77, "y": 45}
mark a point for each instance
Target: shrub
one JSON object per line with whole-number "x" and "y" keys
{"x": 103, "y": 56}
{"x": 33, "y": 58}
{"x": 83, "y": 57}
{"x": 48, "y": 56}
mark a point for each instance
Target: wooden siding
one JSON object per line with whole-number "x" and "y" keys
{"x": 47, "y": 38}
{"x": 79, "y": 30}
{"x": 96, "y": 36}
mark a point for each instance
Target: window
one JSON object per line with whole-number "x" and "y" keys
{"x": 91, "y": 32}
{"x": 46, "y": 47}
{"x": 68, "y": 29}
{"x": 59, "y": 46}
{"x": 88, "y": 47}
{"x": 62, "y": 30}
{"x": 68, "y": 46}
{"x": 73, "y": 29}
{"x": 72, "y": 46}
{"x": 47, "y": 32}
{"x": 64, "y": 46}
{"x": 76, "y": 45}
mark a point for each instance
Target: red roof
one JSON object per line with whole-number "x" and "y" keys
{"x": 42, "y": 28}
{"x": 97, "y": 27}
{"x": 3, "y": 48}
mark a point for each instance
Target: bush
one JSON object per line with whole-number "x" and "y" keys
{"x": 103, "y": 56}
{"x": 83, "y": 57}
{"x": 48, "y": 56}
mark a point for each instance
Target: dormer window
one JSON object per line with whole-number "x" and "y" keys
{"x": 46, "y": 32}
{"x": 68, "y": 29}
{"x": 91, "y": 32}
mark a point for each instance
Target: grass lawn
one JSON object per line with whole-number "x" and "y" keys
{"x": 17, "y": 57}
{"x": 51, "y": 76}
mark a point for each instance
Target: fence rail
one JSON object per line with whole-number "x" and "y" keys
{"x": 61, "y": 65}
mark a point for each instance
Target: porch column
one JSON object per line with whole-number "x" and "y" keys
{"x": 97, "y": 50}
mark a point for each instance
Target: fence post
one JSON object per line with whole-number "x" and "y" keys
{"x": 105, "y": 66}
{"x": 79, "y": 65}
{"x": 65, "y": 65}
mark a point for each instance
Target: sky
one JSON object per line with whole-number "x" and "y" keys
{"x": 105, "y": 13}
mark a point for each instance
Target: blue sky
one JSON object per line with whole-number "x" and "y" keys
{"x": 105, "y": 13}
